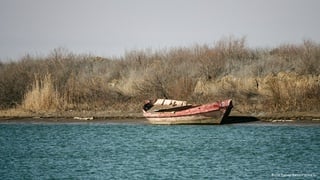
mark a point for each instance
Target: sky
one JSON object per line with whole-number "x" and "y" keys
{"x": 109, "y": 28}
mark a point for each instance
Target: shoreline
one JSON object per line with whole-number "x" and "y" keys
{"x": 14, "y": 115}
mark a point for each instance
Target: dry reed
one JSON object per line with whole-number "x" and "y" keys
{"x": 42, "y": 96}
{"x": 285, "y": 78}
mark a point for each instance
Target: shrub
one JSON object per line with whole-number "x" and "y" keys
{"x": 285, "y": 78}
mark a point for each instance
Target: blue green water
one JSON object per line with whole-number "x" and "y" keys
{"x": 141, "y": 151}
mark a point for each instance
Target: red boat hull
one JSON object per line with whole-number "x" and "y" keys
{"x": 212, "y": 113}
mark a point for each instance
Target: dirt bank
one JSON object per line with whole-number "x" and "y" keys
{"x": 19, "y": 115}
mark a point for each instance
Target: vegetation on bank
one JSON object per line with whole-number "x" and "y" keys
{"x": 282, "y": 79}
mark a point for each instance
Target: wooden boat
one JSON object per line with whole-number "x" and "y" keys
{"x": 169, "y": 111}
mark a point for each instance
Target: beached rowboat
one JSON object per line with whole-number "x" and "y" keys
{"x": 169, "y": 111}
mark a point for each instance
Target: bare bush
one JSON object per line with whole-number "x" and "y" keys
{"x": 15, "y": 77}
{"x": 285, "y": 78}
{"x": 310, "y": 60}
{"x": 211, "y": 63}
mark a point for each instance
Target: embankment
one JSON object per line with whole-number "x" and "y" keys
{"x": 282, "y": 80}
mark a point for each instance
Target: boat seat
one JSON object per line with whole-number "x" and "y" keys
{"x": 170, "y": 102}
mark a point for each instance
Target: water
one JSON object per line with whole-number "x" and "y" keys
{"x": 140, "y": 151}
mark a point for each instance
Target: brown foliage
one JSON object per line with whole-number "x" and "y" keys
{"x": 285, "y": 78}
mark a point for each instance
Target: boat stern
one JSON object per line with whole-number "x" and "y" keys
{"x": 226, "y": 107}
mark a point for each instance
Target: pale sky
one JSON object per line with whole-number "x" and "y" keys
{"x": 110, "y": 27}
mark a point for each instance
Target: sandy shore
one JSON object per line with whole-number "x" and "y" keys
{"x": 18, "y": 115}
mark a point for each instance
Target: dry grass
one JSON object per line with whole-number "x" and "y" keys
{"x": 42, "y": 96}
{"x": 281, "y": 79}
{"x": 280, "y": 92}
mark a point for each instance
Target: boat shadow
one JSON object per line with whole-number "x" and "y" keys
{"x": 239, "y": 119}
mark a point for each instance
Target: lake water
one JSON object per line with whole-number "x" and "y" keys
{"x": 142, "y": 151}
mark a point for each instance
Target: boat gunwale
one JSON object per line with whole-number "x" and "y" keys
{"x": 193, "y": 110}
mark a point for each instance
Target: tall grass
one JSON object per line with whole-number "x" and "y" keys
{"x": 285, "y": 78}
{"x": 42, "y": 96}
